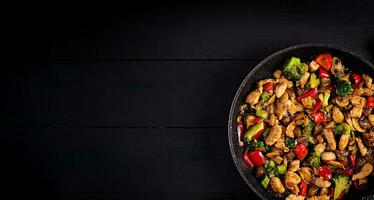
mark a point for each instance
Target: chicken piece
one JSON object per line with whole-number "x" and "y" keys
{"x": 253, "y": 97}
{"x": 320, "y": 182}
{"x": 328, "y": 156}
{"x": 294, "y": 166}
{"x": 292, "y": 179}
{"x": 368, "y": 80}
{"x": 305, "y": 173}
{"x": 295, "y": 189}
{"x": 281, "y": 106}
{"x": 281, "y": 88}
{"x": 320, "y": 148}
{"x": 295, "y": 197}
{"x": 323, "y": 197}
{"x": 313, "y": 66}
{"x": 304, "y": 79}
{"x": 343, "y": 141}
{"x": 364, "y": 172}
{"x": 277, "y": 185}
{"x": 277, "y": 74}
{"x": 329, "y": 135}
{"x": 290, "y": 128}
{"x": 358, "y": 101}
{"x": 361, "y": 147}
{"x": 356, "y": 112}
{"x": 371, "y": 119}
{"x": 273, "y": 120}
{"x": 280, "y": 143}
{"x": 278, "y": 160}
{"x": 337, "y": 115}
{"x": 274, "y": 135}
{"x": 307, "y": 102}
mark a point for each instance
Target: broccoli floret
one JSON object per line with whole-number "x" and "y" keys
{"x": 342, "y": 185}
{"x": 252, "y": 145}
{"x": 314, "y": 160}
{"x": 308, "y": 128}
{"x": 313, "y": 81}
{"x": 264, "y": 97}
{"x": 294, "y": 69}
{"x": 344, "y": 88}
{"x": 291, "y": 142}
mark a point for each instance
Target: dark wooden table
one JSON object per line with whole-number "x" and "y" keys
{"x": 134, "y": 105}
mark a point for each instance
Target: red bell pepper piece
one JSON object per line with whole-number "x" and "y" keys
{"x": 325, "y": 172}
{"x": 260, "y": 132}
{"x": 257, "y": 157}
{"x": 247, "y": 160}
{"x": 258, "y": 120}
{"x": 352, "y": 159}
{"x": 301, "y": 151}
{"x": 317, "y": 106}
{"x": 310, "y": 93}
{"x": 303, "y": 188}
{"x": 240, "y": 131}
{"x": 348, "y": 172}
{"x": 370, "y": 102}
{"x": 269, "y": 87}
{"x": 330, "y": 87}
{"x": 318, "y": 117}
{"x": 324, "y": 60}
{"x": 323, "y": 73}
{"x": 357, "y": 79}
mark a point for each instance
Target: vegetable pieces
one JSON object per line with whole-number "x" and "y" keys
{"x": 294, "y": 69}
{"x": 307, "y": 130}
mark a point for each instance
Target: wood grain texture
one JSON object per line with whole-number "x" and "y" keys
{"x": 80, "y": 163}
{"x": 122, "y": 93}
{"x": 134, "y": 104}
{"x": 194, "y": 31}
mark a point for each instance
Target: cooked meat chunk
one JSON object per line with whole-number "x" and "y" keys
{"x": 368, "y": 80}
{"x": 253, "y": 97}
{"x": 277, "y": 185}
{"x": 361, "y": 147}
{"x": 364, "y": 172}
{"x": 337, "y": 115}
{"x": 274, "y": 135}
{"x": 329, "y": 135}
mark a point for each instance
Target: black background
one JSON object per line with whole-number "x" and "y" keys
{"x": 134, "y": 104}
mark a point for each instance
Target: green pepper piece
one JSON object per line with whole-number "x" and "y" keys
{"x": 265, "y": 182}
{"x": 253, "y": 131}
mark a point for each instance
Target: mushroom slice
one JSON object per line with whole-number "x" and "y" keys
{"x": 357, "y": 126}
{"x": 361, "y": 147}
{"x": 335, "y": 164}
{"x": 337, "y": 115}
{"x": 364, "y": 172}
{"x": 320, "y": 182}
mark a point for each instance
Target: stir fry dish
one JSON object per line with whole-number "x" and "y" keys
{"x": 307, "y": 132}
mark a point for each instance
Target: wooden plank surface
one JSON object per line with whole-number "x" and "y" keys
{"x": 134, "y": 105}
{"x": 122, "y": 93}
{"x": 193, "y": 31}
{"x": 79, "y": 163}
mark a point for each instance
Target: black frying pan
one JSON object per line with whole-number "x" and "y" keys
{"x": 265, "y": 69}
